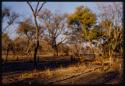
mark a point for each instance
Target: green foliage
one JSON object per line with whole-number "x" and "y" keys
{"x": 81, "y": 20}
{"x": 82, "y": 16}
{"x": 93, "y": 34}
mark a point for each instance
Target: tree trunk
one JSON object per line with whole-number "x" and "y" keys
{"x": 56, "y": 51}
{"x": 35, "y": 54}
{"x": 7, "y": 53}
{"x": 110, "y": 57}
{"x": 37, "y": 42}
{"x": 92, "y": 49}
{"x": 35, "y": 12}
{"x": 27, "y": 49}
{"x": 77, "y": 53}
{"x": 54, "y": 54}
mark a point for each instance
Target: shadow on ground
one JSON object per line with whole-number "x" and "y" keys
{"x": 18, "y": 66}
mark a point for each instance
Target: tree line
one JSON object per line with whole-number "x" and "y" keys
{"x": 57, "y": 32}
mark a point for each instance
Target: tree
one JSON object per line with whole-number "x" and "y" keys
{"x": 35, "y": 14}
{"x": 111, "y": 24}
{"x": 5, "y": 12}
{"x": 26, "y": 29}
{"x": 82, "y": 19}
{"x": 9, "y": 17}
{"x": 55, "y": 25}
{"x": 6, "y": 43}
{"x": 19, "y": 45}
{"x": 80, "y": 23}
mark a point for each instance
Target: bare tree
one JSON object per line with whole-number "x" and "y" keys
{"x": 9, "y": 17}
{"x": 111, "y": 23}
{"x": 35, "y": 14}
{"x": 55, "y": 28}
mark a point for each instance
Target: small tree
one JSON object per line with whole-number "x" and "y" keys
{"x": 9, "y": 17}
{"x": 26, "y": 29}
{"x": 6, "y": 43}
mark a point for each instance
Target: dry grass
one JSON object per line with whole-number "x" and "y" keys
{"x": 68, "y": 71}
{"x": 27, "y": 57}
{"x": 49, "y": 74}
{"x": 46, "y": 74}
{"x": 15, "y": 57}
{"x": 56, "y": 74}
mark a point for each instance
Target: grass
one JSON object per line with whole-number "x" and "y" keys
{"x": 50, "y": 74}
{"x": 61, "y": 73}
{"x": 47, "y": 74}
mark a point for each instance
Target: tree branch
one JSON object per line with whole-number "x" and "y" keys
{"x": 61, "y": 41}
{"x": 36, "y": 7}
{"x": 41, "y": 6}
{"x": 31, "y": 7}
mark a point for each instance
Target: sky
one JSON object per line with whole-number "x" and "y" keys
{"x": 64, "y": 7}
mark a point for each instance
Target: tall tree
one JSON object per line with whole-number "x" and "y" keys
{"x": 9, "y": 17}
{"x": 55, "y": 25}
{"x": 35, "y": 14}
{"x": 112, "y": 25}
{"x": 80, "y": 23}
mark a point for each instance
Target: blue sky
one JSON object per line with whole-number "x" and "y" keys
{"x": 64, "y": 7}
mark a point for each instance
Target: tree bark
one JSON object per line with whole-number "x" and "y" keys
{"x": 35, "y": 12}
{"x": 7, "y": 53}
{"x": 56, "y": 51}
{"x": 35, "y": 54}
{"x": 37, "y": 42}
